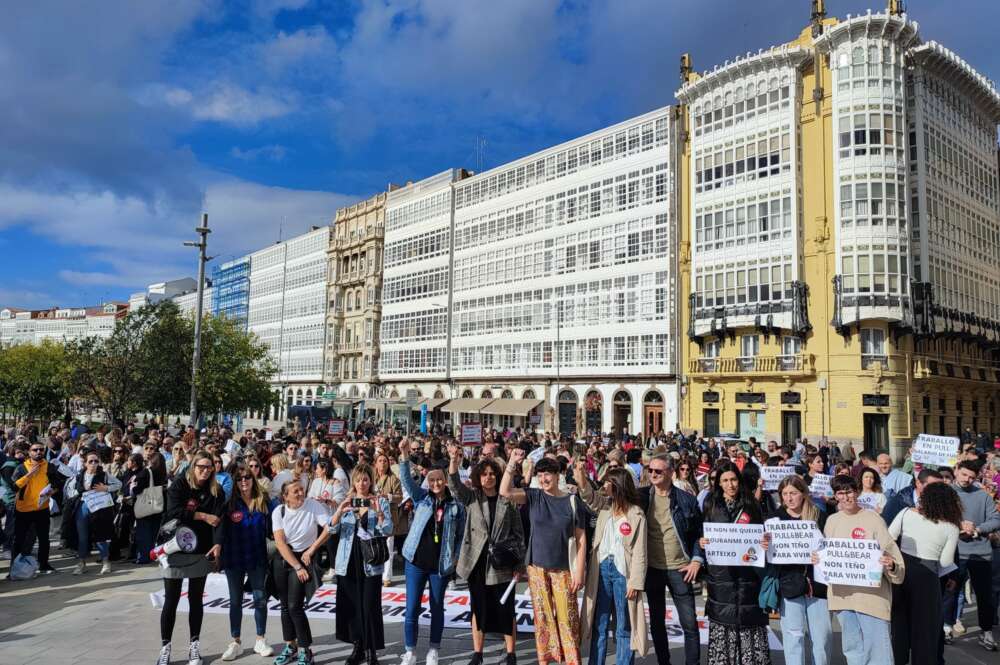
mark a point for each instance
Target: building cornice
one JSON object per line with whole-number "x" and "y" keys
{"x": 949, "y": 65}
{"x": 878, "y": 25}
{"x": 751, "y": 63}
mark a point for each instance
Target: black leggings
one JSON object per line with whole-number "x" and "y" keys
{"x": 172, "y": 596}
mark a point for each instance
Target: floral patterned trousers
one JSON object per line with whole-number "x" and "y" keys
{"x": 557, "y": 617}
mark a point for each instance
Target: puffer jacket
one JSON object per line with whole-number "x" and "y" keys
{"x": 733, "y": 590}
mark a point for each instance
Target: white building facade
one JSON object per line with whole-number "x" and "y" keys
{"x": 287, "y": 310}
{"x": 541, "y": 293}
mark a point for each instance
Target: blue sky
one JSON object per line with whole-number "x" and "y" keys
{"x": 120, "y": 121}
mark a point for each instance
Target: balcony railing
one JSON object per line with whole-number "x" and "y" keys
{"x": 925, "y": 367}
{"x": 870, "y": 361}
{"x": 800, "y": 363}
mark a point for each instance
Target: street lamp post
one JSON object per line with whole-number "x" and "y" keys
{"x": 202, "y": 245}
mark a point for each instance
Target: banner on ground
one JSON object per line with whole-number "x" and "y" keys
{"x": 850, "y": 562}
{"x": 457, "y": 609}
{"x": 792, "y": 541}
{"x": 734, "y": 544}
{"x": 935, "y": 450}
{"x": 773, "y": 475}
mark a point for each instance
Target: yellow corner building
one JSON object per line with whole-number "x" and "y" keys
{"x": 840, "y": 239}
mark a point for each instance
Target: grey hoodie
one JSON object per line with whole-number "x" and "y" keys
{"x": 978, "y": 508}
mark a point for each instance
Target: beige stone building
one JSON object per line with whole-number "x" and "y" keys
{"x": 354, "y": 292}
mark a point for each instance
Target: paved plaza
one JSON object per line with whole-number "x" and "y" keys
{"x": 109, "y": 620}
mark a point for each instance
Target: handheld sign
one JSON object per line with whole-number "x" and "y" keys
{"x": 734, "y": 544}
{"x": 472, "y": 433}
{"x": 773, "y": 475}
{"x": 869, "y": 501}
{"x": 337, "y": 427}
{"x": 792, "y": 541}
{"x": 820, "y": 486}
{"x": 850, "y": 562}
{"x": 936, "y": 450}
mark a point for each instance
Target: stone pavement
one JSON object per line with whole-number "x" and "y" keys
{"x": 109, "y": 620}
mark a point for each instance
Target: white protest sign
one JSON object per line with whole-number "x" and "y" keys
{"x": 820, "y": 486}
{"x": 936, "y": 450}
{"x": 536, "y": 455}
{"x": 773, "y": 475}
{"x": 850, "y": 562}
{"x": 457, "y": 608}
{"x": 734, "y": 544}
{"x": 472, "y": 433}
{"x": 97, "y": 500}
{"x": 792, "y": 541}
{"x": 869, "y": 501}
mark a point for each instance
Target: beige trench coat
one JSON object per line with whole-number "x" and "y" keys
{"x": 635, "y": 569}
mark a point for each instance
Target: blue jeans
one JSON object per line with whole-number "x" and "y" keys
{"x": 796, "y": 615}
{"x": 83, "y": 534}
{"x": 865, "y": 640}
{"x": 145, "y": 536}
{"x": 416, "y": 582}
{"x": 611, "y": 588}
{"x": 257, "y": 576}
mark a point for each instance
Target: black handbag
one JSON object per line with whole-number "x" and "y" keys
{"x": 375, "y": 550}
{"x": 503, "y": 557}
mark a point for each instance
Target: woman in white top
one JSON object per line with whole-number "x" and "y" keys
{"x": 323, "y": 487}
{"x": 617, "y": 570}
{"x": 871, "y": 495}
{"x": 296, "y": 536}
{"x": 927, "y": 536}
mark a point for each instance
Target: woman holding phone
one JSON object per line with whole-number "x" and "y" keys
{"x": 362, "y": 515}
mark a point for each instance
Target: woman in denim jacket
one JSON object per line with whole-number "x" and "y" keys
{"x": 431, "y": 552}
{"x": 359, "y": 585}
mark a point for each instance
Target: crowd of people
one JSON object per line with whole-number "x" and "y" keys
{"x": 599, "y": 527}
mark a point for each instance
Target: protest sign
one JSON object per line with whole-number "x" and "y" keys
{"x": 472, "y": 433}
{"x": 97, "y": 500}
{"x": 337, "y": 427}
{"x": 773, "y": 475}
{"x": 734, "y": 544}
{"x": 457, "y": 609}
{"x": 936, "y": 450}
{"x": 869, "y": 501}
{"x": 850, "y": 562}
{"x": 792, "y": 541}
{"x": 820, "y": 486}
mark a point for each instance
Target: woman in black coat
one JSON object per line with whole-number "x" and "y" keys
{"x": 154, "y": 474}
{"x": 737, "y": 632}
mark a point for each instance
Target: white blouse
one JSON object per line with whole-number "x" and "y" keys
{"x": 924, "y": 539}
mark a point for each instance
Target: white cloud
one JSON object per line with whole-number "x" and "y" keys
{"x": 274, "y": 153}
{"x": 313, "y": 45}
{"x": 232, "y": 104}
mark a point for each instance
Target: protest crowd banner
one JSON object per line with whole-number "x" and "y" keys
{"x": 458, "y": 608}
{"x": 792, "y": 541}
{"x": 820, "y": 486}
{"x": 935, "y": 450}
{"x": 850, "y": 562}
{"x": 773, "y": 475}
{"x": 472, "y": 434}
{"x": 734, "y": 544}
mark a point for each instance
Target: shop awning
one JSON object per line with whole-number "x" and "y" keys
{"x": 466, "y": 405}
{"x": 511, "y": 407}
{"x": 431, "y": 402}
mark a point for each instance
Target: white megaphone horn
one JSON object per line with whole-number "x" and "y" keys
{"x": 184, "y": 540}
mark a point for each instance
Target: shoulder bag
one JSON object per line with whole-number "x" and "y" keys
{"x": 374, "y": 548}
{"x": 150, "y": 500}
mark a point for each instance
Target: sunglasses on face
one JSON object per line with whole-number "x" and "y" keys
{"x": 243, "y": 478}
{"x": 91, "y": 461}
{"x": 656, "y": 472}
{"x": 203, "y": 467}
{"x": 37, "y": 450}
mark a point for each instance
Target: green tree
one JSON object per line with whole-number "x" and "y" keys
{"x": 235, "y": 369}
{"x": 34, "y": 379}
{"x": 164, "y": 361}
{"x": 110, "y": 372}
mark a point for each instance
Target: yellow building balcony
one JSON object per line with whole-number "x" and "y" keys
{"x": 800, "y": 364}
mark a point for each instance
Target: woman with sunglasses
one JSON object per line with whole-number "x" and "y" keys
{"x": 84, "y": 525}
{"x": 256, "y": 469}
{"x": 244, "y": 556}
{"x": 685, "y": 479}
{"x": 197, "y": 502}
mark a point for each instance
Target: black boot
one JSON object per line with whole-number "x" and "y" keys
{"x": 372, "y": 657}
{"x": 477, "y": 659}
{"x": 511, "y": 658}
{"x": 357, "y": 656}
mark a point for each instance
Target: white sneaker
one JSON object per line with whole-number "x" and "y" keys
{"x": 263, "y": 648}
{"x": 105, "y": 567}
{"x": 958, "y": 628}
{"x": 409, "y": 658}
{"x": 329, "y": 575}
{"x": 80, "y": 567}
{"x": 194, "y": 653}
{"x": 432, "y": 657}
{"x": 164, "y": 658}
{"x": 232, "y": 651}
